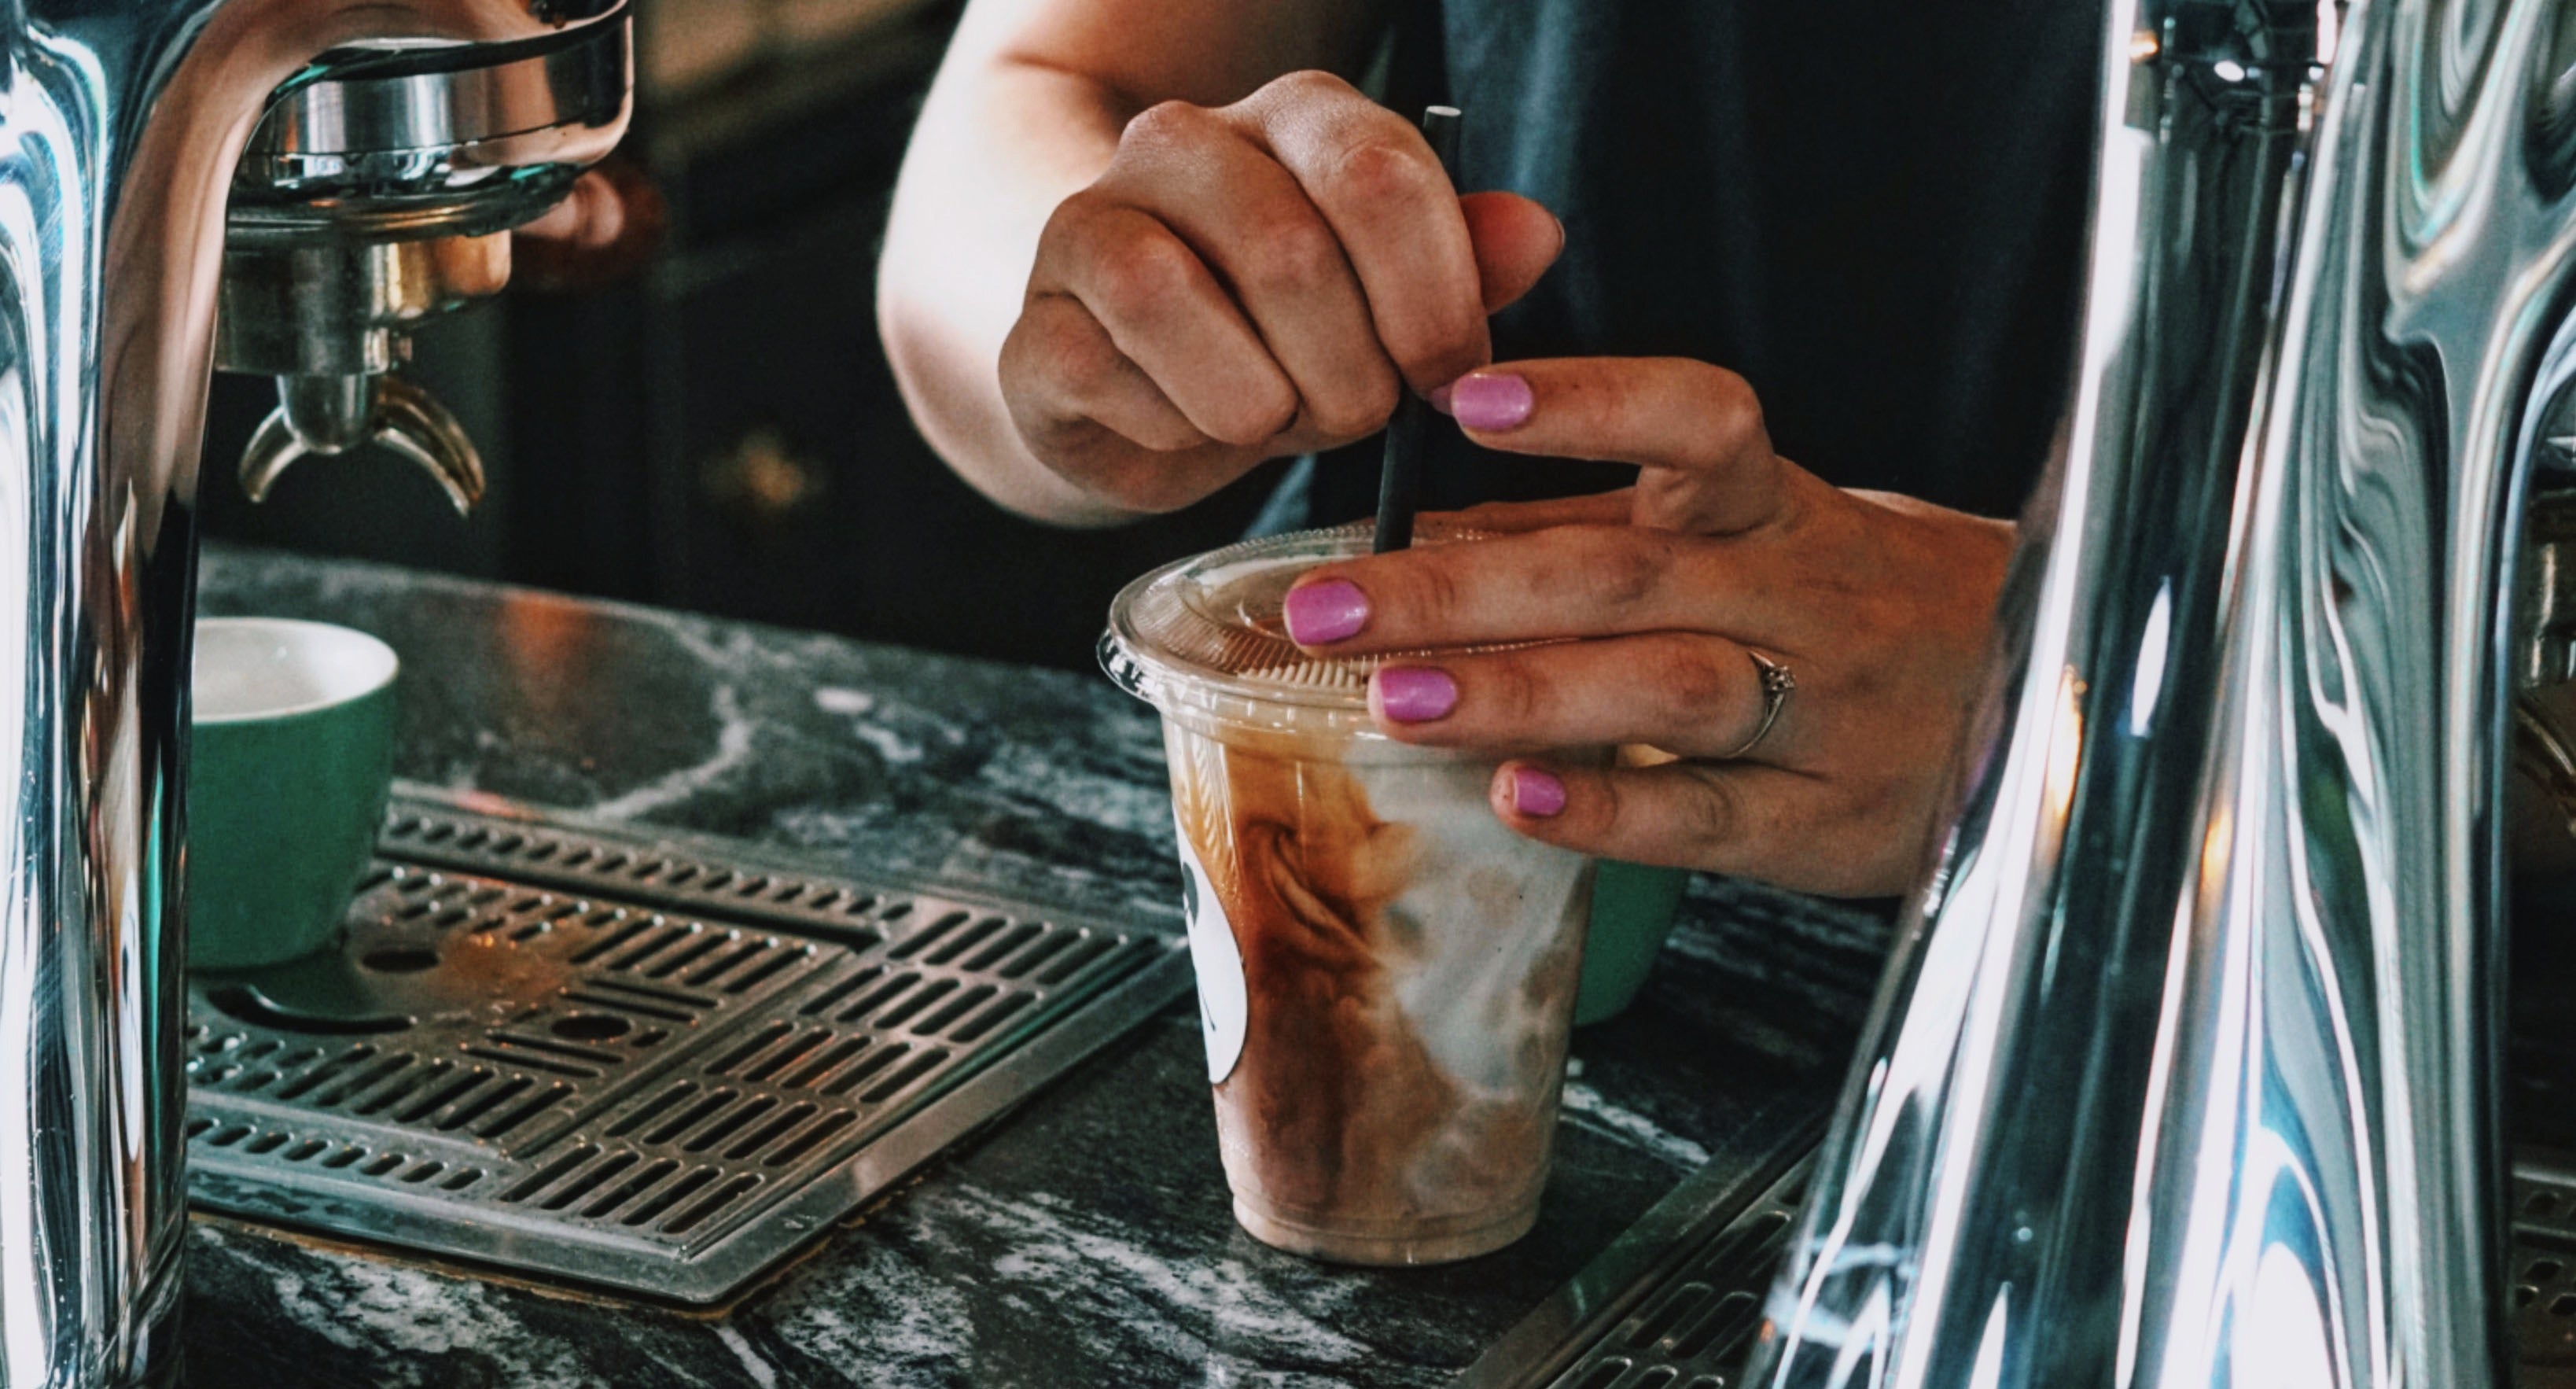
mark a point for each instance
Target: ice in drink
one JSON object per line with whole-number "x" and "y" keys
{"x": 1386, "y": 973}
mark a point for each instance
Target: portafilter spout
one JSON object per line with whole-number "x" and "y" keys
{"x": 378, "y": 193}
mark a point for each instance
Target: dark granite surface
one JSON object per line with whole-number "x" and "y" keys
{"x": 1082, "y": 1240}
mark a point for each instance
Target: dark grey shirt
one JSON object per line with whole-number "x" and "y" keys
{"x": 1872, "y": 209}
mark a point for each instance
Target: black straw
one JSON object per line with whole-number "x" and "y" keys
{"x": 1399, "y": 492}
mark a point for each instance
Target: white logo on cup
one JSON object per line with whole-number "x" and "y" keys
{"x": 1223, "y": 1008}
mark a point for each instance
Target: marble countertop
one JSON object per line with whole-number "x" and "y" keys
{"x": 1083, "y": 1239}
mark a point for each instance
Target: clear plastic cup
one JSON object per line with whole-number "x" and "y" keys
{"x": 1386, "y": 973}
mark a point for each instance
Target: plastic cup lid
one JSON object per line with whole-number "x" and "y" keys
{"x": 1210, "y": 626}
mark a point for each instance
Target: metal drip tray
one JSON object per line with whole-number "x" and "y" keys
{"x": 1676, "y": 1302}
{"x": 2541, "y": 1286}
{"x": 626, "y": 1063}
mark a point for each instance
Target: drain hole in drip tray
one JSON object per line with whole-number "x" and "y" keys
{"x": 243, "y": 1003}
{"x": 399, "y": 959}
{"x": 590, "y": 1027}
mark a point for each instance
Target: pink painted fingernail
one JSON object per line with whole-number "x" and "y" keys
{"x": 1491, "y": 401}
{"x": 1415, "y": 694}
{"x": 1319, "y": 614}
{"x": 1439, "y": 398}
{"x": 1536, "y": 793}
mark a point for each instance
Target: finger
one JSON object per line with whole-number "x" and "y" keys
{"x": 591, "y": 215}
{"x": 1513, "y": 518}
{"x": 1566, "y": 582}
{"x": 1063, "y": 371}
{"x": 1515, "y": 241}
{"x": 1377, "y": 182}
{"x": 1698, "y": 422}
{"x": 1166, "y": 312}
{"x": 1249, "y": 220}
{"x": 1734, "y": 818}
{"x": 1695, "y": 695}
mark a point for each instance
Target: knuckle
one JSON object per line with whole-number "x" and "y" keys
{"x": 1515, "y": 698}
{"x": 1083, "y": 363}
{"x": 1626, "y": 568}
{"x": 1437, "y": 596}
{"x": 1356, "y": 410}
{"x": 1052, "y": 351}
{"x": 1294, "y": 254}
{"x": 1438, "y": 346}
{"x": 1142, "y": 275}
{"x": 1164, "y": 125}
{"x": 1738, "y": 426}
{"x": 1379, "y": 170}
{"x": 1251, "y": 417}
{"x": 1710, "y": 815}
{"x": 1607, "y": 809}
{"x": 1070, "y": 231}
{"x": 1691, "y": 681}
{"x": 1743, "y": 425}
{"x": 1309, "y": 85}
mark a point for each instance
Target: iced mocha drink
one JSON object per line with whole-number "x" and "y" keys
{"x": 1386, "y": 973}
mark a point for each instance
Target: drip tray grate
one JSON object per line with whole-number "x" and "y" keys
{"x": 628, "y": 1063}
{"x": 2540, "y": 1282}
{"x": 1677, "y": 1303}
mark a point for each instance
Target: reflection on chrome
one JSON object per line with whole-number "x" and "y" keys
{"x": 120, "y": 126}
{"x": 2186, "y": 1071}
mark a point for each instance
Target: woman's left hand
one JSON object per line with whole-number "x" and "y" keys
{"x": 1654, "y": 600}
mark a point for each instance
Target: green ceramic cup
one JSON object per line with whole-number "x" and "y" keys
{"x": 1632, "y": 912}
{"x": 290, "y": 762}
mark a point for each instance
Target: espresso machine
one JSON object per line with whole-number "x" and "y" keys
{"x": 286, "y": 187}
{"x": 2186, "y": 1071}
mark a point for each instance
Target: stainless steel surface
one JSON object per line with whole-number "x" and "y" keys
{"x": 376, "y": 194}
{"x": 328, "y": 415}
{"x": 121, "y": 126}
{"x": 1669, "y": 1304}
{"x": 2548, "y": 597}
{"x": 2540, "y": 1278}
{"x": 1677, "y": 1295}
{"x": 329, "y": 316}
{"x": 2187, "y": 1070}
{"x": 1693, "y": 1328}
{"x": 398, "y": 115}
{"x": 630, "y": 1063}
{"x": 334, "y": 307}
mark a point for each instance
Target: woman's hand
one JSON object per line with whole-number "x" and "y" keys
{"x": 1250, "y": 281}
{"x": 1654, "y": 599}
{"x": 608, "y": 225}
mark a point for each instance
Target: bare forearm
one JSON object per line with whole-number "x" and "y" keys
{"x": 1027, "y": 111}
{"x": 1001, "y": 142}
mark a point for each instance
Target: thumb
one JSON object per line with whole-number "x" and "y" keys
{"x": 1516, "y": 240}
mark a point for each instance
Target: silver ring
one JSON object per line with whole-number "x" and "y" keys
{"x": 1777, "y": 682}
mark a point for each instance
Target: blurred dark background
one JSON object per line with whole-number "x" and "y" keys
{"x": 718, "y": 430}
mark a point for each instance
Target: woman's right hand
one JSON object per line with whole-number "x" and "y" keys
{"x": 1249, "y": 281}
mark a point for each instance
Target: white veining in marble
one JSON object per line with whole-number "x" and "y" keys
{"x": 1111, "y": 802}
{"x": 762, "y": 1373}
{"x": 1055, "y": 1247}
{"x": 875, "y": 1316}
{"x": 891, "y": 747}
{"x": 847, "y": 703}
{"x": 404, "y": 1318}
{"x": 1584, "y": 1105}
{"x": 735, "y": 737}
